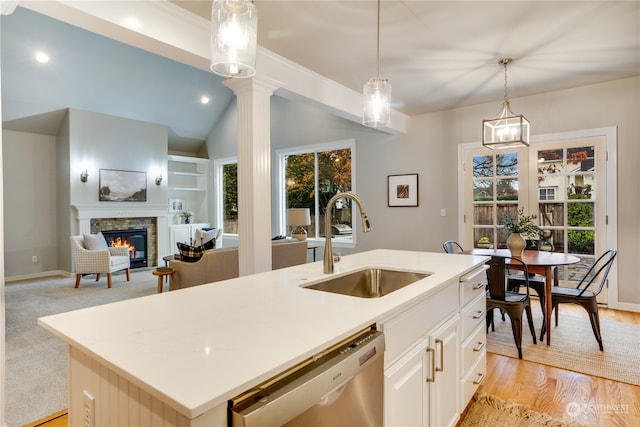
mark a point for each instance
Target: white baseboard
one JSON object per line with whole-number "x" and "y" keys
{"x": 40, "y": 275}
{"x": 625, "y": 306}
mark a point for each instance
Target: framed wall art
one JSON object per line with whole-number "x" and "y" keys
{"x": 122, "y": 186}
{"x": 177, "y": 205}
{"x": 403, "y": 190}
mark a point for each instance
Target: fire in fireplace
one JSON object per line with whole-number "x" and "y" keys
{"x": 135, "y": 240}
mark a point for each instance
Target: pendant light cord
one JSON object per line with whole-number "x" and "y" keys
{"x": 378, "y": 44}
{"x": 505, "y": 62}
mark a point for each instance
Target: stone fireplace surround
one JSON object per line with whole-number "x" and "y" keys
{"x": 122, "y": 215}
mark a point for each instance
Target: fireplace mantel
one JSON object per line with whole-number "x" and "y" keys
{"x": 84, "y": 213}
{"x": 119, "y": 210}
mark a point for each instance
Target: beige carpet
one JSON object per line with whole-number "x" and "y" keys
{"x": 35, "y": 360}
{"x": 491, "y": 411}
{"x": 574, "y": 347}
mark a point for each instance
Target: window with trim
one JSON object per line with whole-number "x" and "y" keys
{"x": 309, "y": 177}
{"x": 227, "y": 194}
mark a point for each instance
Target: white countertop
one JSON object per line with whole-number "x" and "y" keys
{"x": 195, "y": 348}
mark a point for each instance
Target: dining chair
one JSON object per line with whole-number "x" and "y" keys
{"x": 514, "y": 304}
{"x": 537, "y": 282}
{"x": 452, "y": 247}
{"x": 583, "y": 295}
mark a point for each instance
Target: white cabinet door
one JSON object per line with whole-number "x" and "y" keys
{"x": 179, "y": 233}
{"x": 406, "y": 391}
{"x": 444, "y": 392}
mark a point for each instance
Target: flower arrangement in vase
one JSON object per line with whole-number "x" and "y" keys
{"x": 521, "y": 227}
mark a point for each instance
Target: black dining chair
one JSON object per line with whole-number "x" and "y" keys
{"x": 512, "y": 303}
{"x": 537, "y": 282}
{"x": 452, "y": 247}
{"x": 584, "y": 293}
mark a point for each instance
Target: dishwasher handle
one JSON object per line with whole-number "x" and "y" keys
{"x": 300, "y": 391}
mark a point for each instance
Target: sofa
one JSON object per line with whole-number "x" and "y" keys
{"x": 222, "y": 263}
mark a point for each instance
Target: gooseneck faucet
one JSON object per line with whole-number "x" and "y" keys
{"x": 328, "y": 251}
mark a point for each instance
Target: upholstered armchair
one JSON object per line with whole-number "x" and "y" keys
{"x": 97, "y": 261}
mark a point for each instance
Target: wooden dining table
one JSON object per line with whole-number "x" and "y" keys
{"x": 538, "y": 262}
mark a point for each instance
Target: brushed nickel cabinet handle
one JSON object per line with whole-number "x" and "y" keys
{"x": 479, "y": 379}
{"x": 479, "y": 314}
{"x": 432, "y": 354}
{"x": 439, "y": 342}
{"x": 479, "y": 347}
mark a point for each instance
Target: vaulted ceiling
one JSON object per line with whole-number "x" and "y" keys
{"x": 437, "y": 55}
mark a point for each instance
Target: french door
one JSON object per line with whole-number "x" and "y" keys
{"x": 560, "y": 179}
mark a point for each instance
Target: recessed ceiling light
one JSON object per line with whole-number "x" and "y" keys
{"x": 42, "y": 57}
{"x": 132, "y": 22}
{"x": 204, "y": 99}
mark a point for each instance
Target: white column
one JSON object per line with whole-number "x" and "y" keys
{"x": 254, "y": 172}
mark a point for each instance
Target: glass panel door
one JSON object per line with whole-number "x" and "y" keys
{"x": 570, "y": 175}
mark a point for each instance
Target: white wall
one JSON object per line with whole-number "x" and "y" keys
{"x": 42, "y": 181}
{"x": 30, "y": 198}
{"x": 430, "y": 149}
{"x": 108, "y": 142}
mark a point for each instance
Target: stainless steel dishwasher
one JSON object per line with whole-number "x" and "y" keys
{"x": 342, "y": 386}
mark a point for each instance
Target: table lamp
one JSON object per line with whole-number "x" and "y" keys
{"x": 298, "y": 218}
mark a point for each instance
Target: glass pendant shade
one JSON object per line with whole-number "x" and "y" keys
{"x": 377, "y": 103}
{"x": 506, "y": 131}
{"x": 234, "y": 29}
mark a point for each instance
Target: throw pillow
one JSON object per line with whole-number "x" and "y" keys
{"x": 207, "y": 235}
{"x": 190, "y": 253}
{"x": 95, "y": 242}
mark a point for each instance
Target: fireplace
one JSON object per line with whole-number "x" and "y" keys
{"x": 134, "y": 239}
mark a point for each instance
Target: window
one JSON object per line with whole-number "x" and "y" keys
{"x": 547, "y": 193}
{"x": 309, "y": 177}
{"x": 227, "y": 194}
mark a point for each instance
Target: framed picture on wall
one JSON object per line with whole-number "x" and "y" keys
{"x": 402, "y": 190}
{"x": 177, "y": 205}
{"x": 122, "y": 186}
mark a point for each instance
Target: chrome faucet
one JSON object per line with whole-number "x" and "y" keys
{"x": 328, "y": 251}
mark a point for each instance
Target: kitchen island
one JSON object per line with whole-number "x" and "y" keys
{"x": 176, "y": 358}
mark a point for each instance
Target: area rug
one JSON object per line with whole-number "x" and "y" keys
{"x": 574, "y": 347}
{"x": 488, "y": 410}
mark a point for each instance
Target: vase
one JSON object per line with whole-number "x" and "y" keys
{"x": 187, "y": 220}
{"x": 516, "y": 243}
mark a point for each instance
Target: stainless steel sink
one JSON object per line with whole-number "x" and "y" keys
{"x": 368, "y": 283}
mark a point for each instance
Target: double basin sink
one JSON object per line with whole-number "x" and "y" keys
{"x": 368, "y": 283}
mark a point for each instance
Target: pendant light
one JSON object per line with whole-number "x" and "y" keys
{"x": 507, "y": 130}
{"x": 377, "y": 93}
{"x": 234, "y": 32}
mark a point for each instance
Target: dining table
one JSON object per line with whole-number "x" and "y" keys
{"x": 537, "y": 262}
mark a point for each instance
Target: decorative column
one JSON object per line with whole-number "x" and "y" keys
{"x": 254, "y": 172}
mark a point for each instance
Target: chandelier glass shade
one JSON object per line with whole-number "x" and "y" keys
{"x": 377, "y": 93}
{"x": 234, "y": 32}
{"x": 508, "y": 130}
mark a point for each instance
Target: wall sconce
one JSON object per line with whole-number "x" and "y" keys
{"x": 158, "y": 179}
{"x": 84, "y": 175}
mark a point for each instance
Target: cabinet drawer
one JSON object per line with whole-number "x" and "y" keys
{"x": 472, "y": 381}
{"x": 473, "y": 348}
{"x": 472, "y": 285}
{"x": 402, "y": 331}
{"x": 473, "y": 315}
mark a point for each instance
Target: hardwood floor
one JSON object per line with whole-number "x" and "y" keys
{"x": 546, "y": 389}
{"x": 543, "y": 388}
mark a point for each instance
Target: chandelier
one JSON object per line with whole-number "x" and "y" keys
{"x": 234, "y": 32}
{"x": 377, "y": 93}
{"x": 507, "y": 130}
